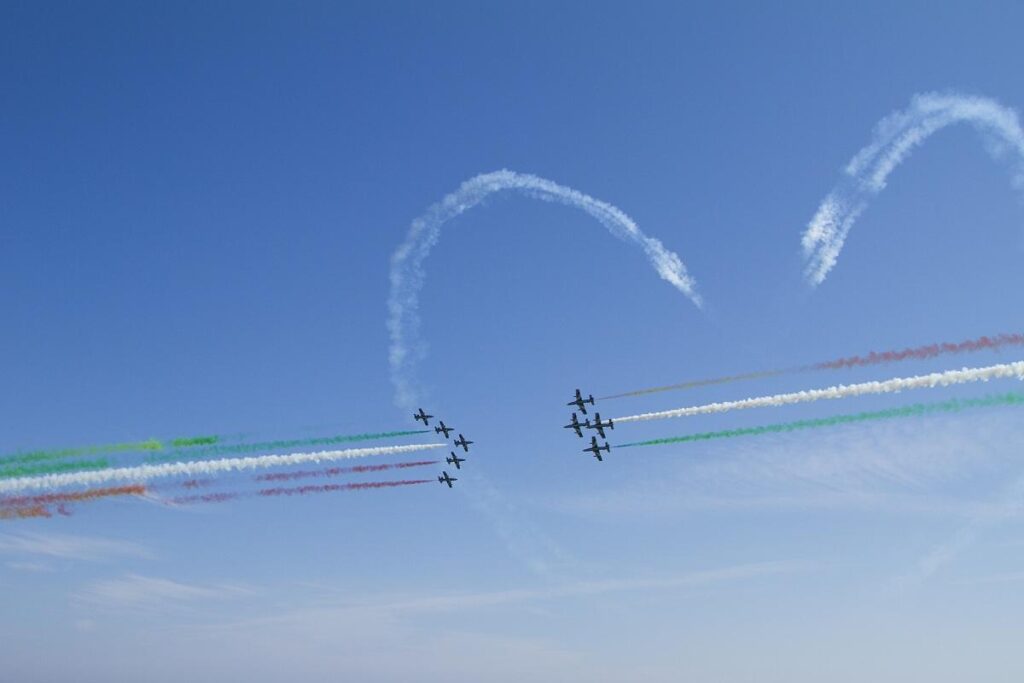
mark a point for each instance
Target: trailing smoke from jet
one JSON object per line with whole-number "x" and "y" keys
{"x": 73, "y": 496}
{"x": 935, "y": 379}
{"x": 895, "y": 137}
{"x": 140, "y": 473}
{"x": 407, "y": 272}
{"x": 224, "y": 449}
{"x": 926, "y": 352}
{"x": 915, "y": 410}
{"x": 294, "y": 491}
{"x": 338, "y": 471}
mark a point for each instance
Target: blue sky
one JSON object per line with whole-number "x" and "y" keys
{"x": 197, "y": 210}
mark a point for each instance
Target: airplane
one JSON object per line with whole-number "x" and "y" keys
{"x": 576, "y": 424}
{"x": 599, "y": 426}
{"x": 446, "y": 479}
{"x": 461, "y": 441}
{"x": 442, "y": 429}
{"x": 455, "y": 460}
{"x": 596, "y": 450}
{"x": 580, "y": 401}
{"x": 422, "y": 416}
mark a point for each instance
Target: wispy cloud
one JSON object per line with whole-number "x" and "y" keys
{"x": 137, "y": 592}
{"x": 63, "y": 546}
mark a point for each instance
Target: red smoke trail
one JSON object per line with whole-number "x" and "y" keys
{"x": 73, "y": 496}
{"x": 205, "y": 498}
{"x": 330, "y": 488}
{"x": 924, "y": 352}
{"x": 25, "y": 512}
{"x": 336, "y": 471}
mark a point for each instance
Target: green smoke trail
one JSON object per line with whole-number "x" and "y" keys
{"x": 225, "y": 449}
{"x": 124, "y": 447}
{"x": 53, "y": 468}
{"x": 914, "y": 410}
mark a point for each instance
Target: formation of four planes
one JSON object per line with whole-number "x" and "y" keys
{"x": 460, "y": 442}
{"x": 597, "y": 425}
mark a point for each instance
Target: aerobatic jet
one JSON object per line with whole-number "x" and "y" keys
{"x": 422, "y": 416}
{"x": 596, "y": 450}
{"x": 580, "y": 401}
{"x": 455, "y": 460}
{"x": 446, "y": 479}
{"x": 443, "y": 430}
{"x": 461, "y": 441}
{"x": 576, "y": 424}
{"x": 599, "y": 426}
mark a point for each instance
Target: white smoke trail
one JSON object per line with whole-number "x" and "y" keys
{"x": 173, "y": 469}
{"x": 935, "y": 379}
{"x": 407, "y": 273}
{"x": 894, "y": 138}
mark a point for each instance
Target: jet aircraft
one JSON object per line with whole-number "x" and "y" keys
{"x": 446, "y": 479}
{"x": 455, "y": 460}
{"x": 577, "y": 425}
{"x": 461, "y": 441}
{"x": 443, "y": 430}
{"x": 596, "y": 450}
{"x": 599, "y": 426}
{"x": 422, "y": 416}
{"x": 579, "y": 402}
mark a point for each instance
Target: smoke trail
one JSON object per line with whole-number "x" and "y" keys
{"x": 330, "y": 488}
{"x": 894, "y": 138}
{"x": 281, "y": 444}
{"x": 125, "y": 447}
{"x": 935, "y": 379}
{"x": 338, "y": 471}
{"x": 874, "y": 358}
{"x": 914, "y": 410}
{"x": 53, "y": 468}
{"x": 146, "y": 472}
{"x": 407, "y": 272}
{"x": 25, "y": 513}
{"x": 74, "y": 496}
{"x": 924, "y": 352}
{"x": 295, "y": 491}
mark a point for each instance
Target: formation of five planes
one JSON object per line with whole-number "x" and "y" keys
{"x": 598, "y": 425}
{"x": 452, "y": 459}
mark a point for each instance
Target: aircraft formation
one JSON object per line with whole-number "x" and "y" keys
{"x": 597, "y": 425}
{"x": 461, "y": 442}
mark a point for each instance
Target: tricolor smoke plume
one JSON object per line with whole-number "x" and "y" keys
{"x": 915, "y": 410}
{"x": 408, "y": 274}
{"x": 338, "y": 471}
{"x": 140, "y": 473}
{"x": 215, "y": 450}
{"x": 935, "y": 379}
{"x": 894, "y": 139}
{"x": 874, "y": 358}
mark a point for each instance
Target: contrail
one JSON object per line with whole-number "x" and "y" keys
{"x": 935, "y": 379}
{"x": 873, "y": 358}
{"x": 146, "y": 472}
{"x": 894, "y": 138}
{"x": 914, "y": 410}
{"x": 338, "y": 471}
{"x": 407, "y": 272}
{"x": 223, "y": 449}
{"x": 226, "y": 496}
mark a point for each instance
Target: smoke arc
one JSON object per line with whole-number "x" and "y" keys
{"x": 407, "y": 273}
{"x": 895, "y": 137}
